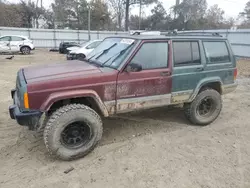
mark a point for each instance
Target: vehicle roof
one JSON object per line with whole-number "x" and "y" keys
{"x": 95, "y": 40}
{"x": 21, "y": 36}
{"x": 162, "y": 37}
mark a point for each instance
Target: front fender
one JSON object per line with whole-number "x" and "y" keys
{"x": 57, "y": 96}
{"x": 202, "y": 83}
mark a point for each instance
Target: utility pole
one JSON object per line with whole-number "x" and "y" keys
{"x": 89, "y": 12}
{"x": 140, "y": 16}
{"x": 176, "y": 4}
{"x": 127, "y": 15}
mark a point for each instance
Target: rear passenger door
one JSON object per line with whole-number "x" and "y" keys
{"x": 5, "y": 44}
{"x": 188, "y": 69}
{"x": 15, "y": 43}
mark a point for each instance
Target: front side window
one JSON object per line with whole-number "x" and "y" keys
{"x": 216, "y": 52}
{"x": 152, "y": 56}
{"x": 186, "y": 53}
{"x": 5, "y": 39}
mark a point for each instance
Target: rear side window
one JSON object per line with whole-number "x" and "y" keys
{"x": 186, "y": 53}
{"x": 152, "y": 55}
{"x": 14, "y": 38}
{"x": 216, "y": 52}
{"x": 5, "y": 39}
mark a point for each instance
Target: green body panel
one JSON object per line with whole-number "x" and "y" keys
{"x": 192, "y": 78}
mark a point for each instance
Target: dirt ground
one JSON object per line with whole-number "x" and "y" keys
{"x": 156, "y": 148}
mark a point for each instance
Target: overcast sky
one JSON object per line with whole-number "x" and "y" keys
{"x": 231, "y": 7}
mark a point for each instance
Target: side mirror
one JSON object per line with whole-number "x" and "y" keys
{"x": 133, "y": 67}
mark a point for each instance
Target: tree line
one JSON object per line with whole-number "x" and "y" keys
{"x": 111, "y": 15}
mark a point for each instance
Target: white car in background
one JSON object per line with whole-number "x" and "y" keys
{"x": 82, "y": 52}
{"x": 73, "y": 48}
{"x": 16, "y": 43}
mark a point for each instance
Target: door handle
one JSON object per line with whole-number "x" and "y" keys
{"x": 200, "y": 69}
{"x": 165, "y": 73}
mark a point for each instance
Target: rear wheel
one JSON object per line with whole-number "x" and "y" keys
{"x": 205, "y": 108}
{"x": 72, "y": 131}
{"x": 25, "y": 50}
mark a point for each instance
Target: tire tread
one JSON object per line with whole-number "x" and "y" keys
{"x": 59, "y": 113}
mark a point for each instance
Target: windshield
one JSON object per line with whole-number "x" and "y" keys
{"x": 111, "y": 52}
{"x": 83, "y": 43}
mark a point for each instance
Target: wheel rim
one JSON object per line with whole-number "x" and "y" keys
{"x": 206, "y": 107}
{"x": 25, "y": 50}
{"x": 75, "y": 135}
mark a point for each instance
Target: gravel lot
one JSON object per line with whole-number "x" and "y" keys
{"x": 156, "y": 148}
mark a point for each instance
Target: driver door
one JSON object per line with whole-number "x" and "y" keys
{"x": 150, "y": 85}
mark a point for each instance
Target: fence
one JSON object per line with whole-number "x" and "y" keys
{"x": 46, "y": 38}
{"x": 50, "y": 38}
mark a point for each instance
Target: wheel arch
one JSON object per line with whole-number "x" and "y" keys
{"x": 212, "y": 82}
{"x": 22, "y": 46}
{"x": 87, "y": 97}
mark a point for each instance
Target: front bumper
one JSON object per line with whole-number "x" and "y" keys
{"x": 30, "y": 118}
{"x": 71, "y": 56}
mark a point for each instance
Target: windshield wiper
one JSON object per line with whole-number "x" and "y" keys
{"x": 102, "y": 52}
{"x": 117, "y": 55}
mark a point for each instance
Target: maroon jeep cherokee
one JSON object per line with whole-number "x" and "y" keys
{"x": 122, "y": 74}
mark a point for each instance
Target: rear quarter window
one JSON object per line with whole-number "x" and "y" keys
{"x": 216, "y": 52}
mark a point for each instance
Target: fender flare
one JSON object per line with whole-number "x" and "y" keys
{"x": 57, "y": 96}
{"x": 202, "y": 83}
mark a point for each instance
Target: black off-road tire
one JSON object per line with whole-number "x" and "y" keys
{"x": 25, "y": 50}
{"x": 61, "y": 119}
{"x": 191, "y": 108}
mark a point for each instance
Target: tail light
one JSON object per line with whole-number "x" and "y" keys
{"x": 235, "y": 73}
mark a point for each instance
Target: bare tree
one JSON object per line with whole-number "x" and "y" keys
{"x": 215, "y": 17}
{"x": 118, "y": 9}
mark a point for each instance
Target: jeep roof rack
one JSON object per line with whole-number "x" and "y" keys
{"x": 146, "y": 33}
{"x": 193, "y": 33}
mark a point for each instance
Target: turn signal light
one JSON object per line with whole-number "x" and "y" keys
{"x": 26, "y": 100}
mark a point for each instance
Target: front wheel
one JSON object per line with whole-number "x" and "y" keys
{"x": 72, "y": 132}
{"x": 81, "y": 57}
{"x": 205, "y": 108}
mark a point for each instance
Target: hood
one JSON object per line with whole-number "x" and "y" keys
{"x": 73, "y": 48}
{"x": 59, "y": 71}
{"x": 83, "y": 51}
